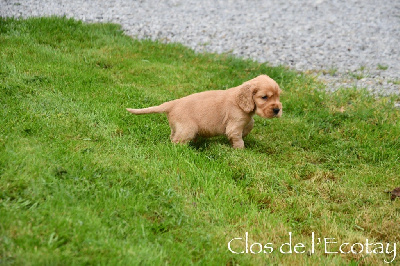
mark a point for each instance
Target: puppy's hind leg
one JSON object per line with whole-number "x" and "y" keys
{"x": 183, "y": 133}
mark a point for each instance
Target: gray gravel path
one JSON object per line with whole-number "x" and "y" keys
{"x": 343, "y": 42}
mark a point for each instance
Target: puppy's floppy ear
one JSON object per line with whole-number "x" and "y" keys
{"x": 245, "y": 97}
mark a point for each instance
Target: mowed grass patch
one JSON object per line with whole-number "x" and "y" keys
{"x": 82, "y": 181}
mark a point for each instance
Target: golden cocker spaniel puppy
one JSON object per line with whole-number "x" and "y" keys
{"x": 220, "y": 112}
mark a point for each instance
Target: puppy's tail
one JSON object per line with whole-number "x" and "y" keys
{"x": 163, "y": 108}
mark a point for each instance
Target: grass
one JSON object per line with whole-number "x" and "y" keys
{"x": 382, "y": 67}
{"x": 84, "y": 182}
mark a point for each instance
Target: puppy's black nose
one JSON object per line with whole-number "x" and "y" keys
{"x": 276, "y": 110}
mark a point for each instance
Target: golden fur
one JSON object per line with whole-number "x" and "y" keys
{"x": 220, "y": 112}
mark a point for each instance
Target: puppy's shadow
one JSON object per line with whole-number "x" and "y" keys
{"x": 201, "y": 144}
{"x": 251, "y": 144}
{"x": 258, "y": 146}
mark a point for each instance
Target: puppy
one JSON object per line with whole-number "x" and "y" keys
{"x": 220, "y": 112}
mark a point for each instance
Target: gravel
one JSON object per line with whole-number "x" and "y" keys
{"x": 344, "y": 43}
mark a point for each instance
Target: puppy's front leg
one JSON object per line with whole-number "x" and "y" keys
{"x": 234, "y": 134}
{"x": 248, "y": 128}
{"x": 237, "y": 142}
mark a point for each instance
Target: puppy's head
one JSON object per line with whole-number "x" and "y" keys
{"x": 260, "y": 95}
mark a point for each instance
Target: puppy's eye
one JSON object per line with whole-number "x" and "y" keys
{"x": 265, "y": 97}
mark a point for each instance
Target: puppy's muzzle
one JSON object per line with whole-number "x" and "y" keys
{"x": 276, "y": 111}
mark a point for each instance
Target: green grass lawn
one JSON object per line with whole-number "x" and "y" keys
{"x": 82, "y": 181}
